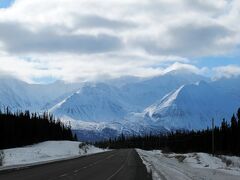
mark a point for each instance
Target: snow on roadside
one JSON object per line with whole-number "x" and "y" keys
{"x": 196, "y": 166}
{"x": 46, "y": 151}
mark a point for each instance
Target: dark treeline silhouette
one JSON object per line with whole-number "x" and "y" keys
{"x": 25, "y": 128}
{"x": 226, "y": 140}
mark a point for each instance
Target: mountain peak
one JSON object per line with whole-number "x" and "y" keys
{"x": 193, "y": 106}
{"x": 180, "y": 71}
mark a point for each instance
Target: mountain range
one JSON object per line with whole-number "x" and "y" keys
{"x": 179, "y": 99}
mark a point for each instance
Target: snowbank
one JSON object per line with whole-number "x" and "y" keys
{"x": 190, "y": 166}
{"x": 46, "y": 151}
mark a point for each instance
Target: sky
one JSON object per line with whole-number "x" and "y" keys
{"x": 79, "y": 40}
{"x": 5, "y": 3}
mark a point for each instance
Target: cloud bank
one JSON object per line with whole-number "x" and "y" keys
{"x": 84, "y": 39}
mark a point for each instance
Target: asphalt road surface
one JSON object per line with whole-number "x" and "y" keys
{"x": 122, "y": 164}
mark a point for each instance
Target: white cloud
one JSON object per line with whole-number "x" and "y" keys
{"x": 14, "y": 39}
{"x": 85, "y": 39}
{"x": 187, "y": 67}
{"x": 85, "y": 67}
{"x": 226, "y": 71}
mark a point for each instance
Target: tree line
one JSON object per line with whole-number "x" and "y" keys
{"x": 25, "y": 128}
{"x": 226, "y": 140}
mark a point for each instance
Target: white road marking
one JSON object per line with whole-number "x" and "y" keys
{"x": 119, "y": 168}
{"x": 90, "y": 165}
{"x": 116, "y": 172}
{"x": 63, "y": 175}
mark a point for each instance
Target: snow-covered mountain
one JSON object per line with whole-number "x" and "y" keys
{"x": 19, "y": 95}
{"x": 98, "y": 103}
{"x": 193, "y": 106}
{"x": 176, "y": 100}
{"x": 102, "y": 102}
{"x": 14, "y": 93}
{"x": 102, "y": 110}
{"x": 144, "y": 93}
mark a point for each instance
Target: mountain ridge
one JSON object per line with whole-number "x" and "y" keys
{"x": 175, "y": 100}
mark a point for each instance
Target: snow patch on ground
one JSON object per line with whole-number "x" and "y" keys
{"x": 47, "y": 151}
{"x": 198, "y": 166}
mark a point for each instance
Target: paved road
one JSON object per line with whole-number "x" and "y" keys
{"x": 113, "y": 165}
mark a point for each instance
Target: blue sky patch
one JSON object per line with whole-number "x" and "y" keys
{"x": 218, "y": 61}
{"x": 6, "y": 3}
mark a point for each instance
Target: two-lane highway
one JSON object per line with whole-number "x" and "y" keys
{"x": 122, "y": 164}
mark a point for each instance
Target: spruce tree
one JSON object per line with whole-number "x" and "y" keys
{"x": 22, "y": 128}
{"x": 238, "y": 114}
{"x": 234, "y": 122}
{"x": 238, "y": 131}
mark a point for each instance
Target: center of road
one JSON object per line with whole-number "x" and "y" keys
{"x": 120, "y": 167}
{"x": 88, "y": 166}
{"x": 123, "y": 164}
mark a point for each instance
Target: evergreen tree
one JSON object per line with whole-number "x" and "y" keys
{"x": 238, "y": 114}
{"x": 234, "y": 122}
{"x": 22, "y": 128}
{"x": 75, "y": 137}
{"x": 238, "y": 131}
